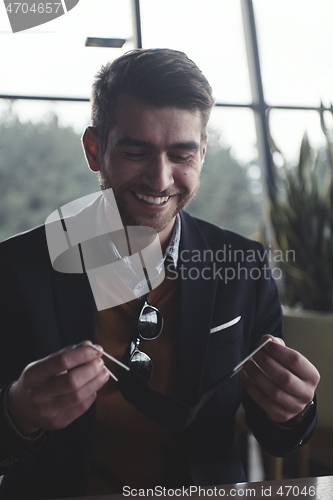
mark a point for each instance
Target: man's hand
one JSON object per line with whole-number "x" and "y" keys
{"x": 54, "y": 391}
{"x": 280, "y": 380}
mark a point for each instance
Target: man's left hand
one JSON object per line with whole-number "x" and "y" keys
{"x": 280, "y": 380}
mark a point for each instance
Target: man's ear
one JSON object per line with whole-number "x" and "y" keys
{"x": 91, "y": 151}
{"x": 204, "y": 148}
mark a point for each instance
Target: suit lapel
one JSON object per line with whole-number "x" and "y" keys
{"x": 75, "y": 307}
{"x": 196, "y": 309}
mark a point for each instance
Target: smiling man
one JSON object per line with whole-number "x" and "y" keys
{"x": 66, "y": 428}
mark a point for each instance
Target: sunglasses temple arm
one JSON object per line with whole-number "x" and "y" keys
{"x": 112, "y": 375}
{"x": 240, "y": 366}
{"x": 110, "y": 357}
{"x": 237, "y": 368}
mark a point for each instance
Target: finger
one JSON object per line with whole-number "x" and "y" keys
{"x": 292, "y": 360}
{"x": 277, "y": 340}
{"x": 71, "y": 380}
{"x": 291, "y": 402}
{"x": 48, "y": 412}
{"x": 273, "y": 410}
{"x": 87, "y": 342}
{"x": 284, "y": 378}
{"x": 264, "y": 340}
{"x": 59, "y": 362}
{"x": 65, "y": 417}
{"x": 76, "y": 398}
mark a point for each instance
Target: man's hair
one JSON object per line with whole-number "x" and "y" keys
{"x": 157, "y": 77}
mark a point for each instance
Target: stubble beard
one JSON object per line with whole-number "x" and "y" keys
{"x": 152, "y": 219}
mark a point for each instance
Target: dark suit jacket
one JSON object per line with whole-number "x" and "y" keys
{"x": 43, "y": 311}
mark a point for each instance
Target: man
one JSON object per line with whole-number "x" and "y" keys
{"x": 148, "y": 142}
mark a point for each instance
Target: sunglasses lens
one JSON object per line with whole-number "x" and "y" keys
{"x": 150, "y": 323}
{"x": 141, "y": 363}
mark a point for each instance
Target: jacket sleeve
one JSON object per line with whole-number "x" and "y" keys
{"x": 15, "y": 354}
{"x": 16, "y": 452}
{"x": 275, "y": 439}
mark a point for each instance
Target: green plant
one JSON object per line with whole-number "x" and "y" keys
{"x": 301, "y": 215}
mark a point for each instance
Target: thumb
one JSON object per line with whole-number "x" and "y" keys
{"x": 277, "y": 340}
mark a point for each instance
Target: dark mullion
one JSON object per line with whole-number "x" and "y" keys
{"x": 259, "y": 105}
{"x": 137, "y": 23}
{"x": 299, "y": 108}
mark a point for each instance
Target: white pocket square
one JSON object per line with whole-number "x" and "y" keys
{"x": 225, "y": 325}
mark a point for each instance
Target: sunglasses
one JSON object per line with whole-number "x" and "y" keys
{"x": 149, "y": 327}
{"x": 162, "y": 409}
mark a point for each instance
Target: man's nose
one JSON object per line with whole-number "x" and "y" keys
{"x": 158, "y": 173}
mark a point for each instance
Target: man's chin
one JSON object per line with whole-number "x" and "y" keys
{"x": 154, "y": 222}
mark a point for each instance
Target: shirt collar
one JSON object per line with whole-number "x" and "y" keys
{"x": 128, "y": 273}
{"x": 173, "y": 249}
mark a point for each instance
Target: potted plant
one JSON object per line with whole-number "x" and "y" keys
{"x": 301, "y": 216}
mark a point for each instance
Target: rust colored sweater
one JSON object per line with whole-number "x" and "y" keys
{"x": 129, "y": 449}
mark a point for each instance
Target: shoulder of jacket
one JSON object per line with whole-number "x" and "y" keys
{"x": 216, "y": 235}
{"x": 28, "y": 244}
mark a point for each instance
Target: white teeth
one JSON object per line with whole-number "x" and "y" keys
{"x": 154, "y": 200}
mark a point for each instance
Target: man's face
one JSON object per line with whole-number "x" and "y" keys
{"x": 152, "y": 162}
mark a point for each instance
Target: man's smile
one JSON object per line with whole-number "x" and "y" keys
{"x": 153, "y": 200}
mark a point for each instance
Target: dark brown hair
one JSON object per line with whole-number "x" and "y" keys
{"x": 158, "y": 77}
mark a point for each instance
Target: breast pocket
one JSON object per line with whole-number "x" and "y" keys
{"x": 222, "y": 336}
{"x": 224, "y": 351}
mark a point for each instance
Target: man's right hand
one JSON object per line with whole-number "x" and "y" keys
{"x": 54, "y": 391}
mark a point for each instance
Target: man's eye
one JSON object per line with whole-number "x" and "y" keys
{"x": 181, "y": 158}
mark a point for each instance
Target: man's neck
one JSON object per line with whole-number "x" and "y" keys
{"x": 166, "y": 234}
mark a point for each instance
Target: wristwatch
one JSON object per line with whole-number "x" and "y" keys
{"x": 9, "y": 421}
{"x": 294, "y": 421}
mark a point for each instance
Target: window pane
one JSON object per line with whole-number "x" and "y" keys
{"x": 52, "y": 59}
{"x": 230, "y": 192}
{"x": 210, "y": 33}
{"x": 288, "y": 127}
{"x": 237, "y": 130}
{"x": 296, "y": 50}
{"x": 42, "y": 165}
{"x": 70, "y": 114}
